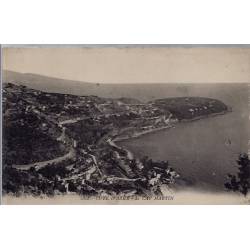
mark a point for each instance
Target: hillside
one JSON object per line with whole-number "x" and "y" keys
{"x": 46, "y": 83}
{"x": 57, "y": 143}
{"x": 27, "y": 133}
{"x": 186, "y": 108}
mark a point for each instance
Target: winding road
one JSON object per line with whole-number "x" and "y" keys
{"x": 42, "y": 164}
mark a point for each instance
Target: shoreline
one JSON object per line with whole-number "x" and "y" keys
{"x": 205, "y": 116}
{"x": 139, "y": 134}
{"x": 112, "y": 142}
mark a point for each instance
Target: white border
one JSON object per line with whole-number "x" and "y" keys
{"x": 126, "y": 227}
{"x": 1, "y": 126}
{"x": 124, "y": 22}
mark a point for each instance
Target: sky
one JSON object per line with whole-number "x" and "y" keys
{"x": 125, "y": 64}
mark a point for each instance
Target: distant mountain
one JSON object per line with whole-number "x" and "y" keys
{"x": 48, "y": 84}
{"x": 235, "y": 95}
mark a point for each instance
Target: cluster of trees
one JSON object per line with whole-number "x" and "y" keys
{"x": 241, "y": 181}
{"x": 86, "y": 132}
{"x": 36, "y": 182}
{"x": 18, "y": 182}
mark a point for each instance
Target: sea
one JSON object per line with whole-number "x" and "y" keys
{"x": 204, "y": 151}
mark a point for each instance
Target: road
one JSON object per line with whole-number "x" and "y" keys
{"x": 42, "y": 164}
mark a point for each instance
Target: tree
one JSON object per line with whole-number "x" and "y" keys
{"x": 241, "y": 181}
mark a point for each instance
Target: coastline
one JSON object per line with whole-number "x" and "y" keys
{"x": 139, "y": 134}
{"x": 131, "y": 155}
{"x": 205, "y": 116}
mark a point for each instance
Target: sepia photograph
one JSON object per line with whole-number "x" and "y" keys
{"x": 125, "y": 124}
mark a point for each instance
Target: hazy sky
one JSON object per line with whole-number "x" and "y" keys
{"x": 133, "y": 65}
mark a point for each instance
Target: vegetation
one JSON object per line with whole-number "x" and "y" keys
{"x": 191, "y": 107}
{"x": 241, "y": 181}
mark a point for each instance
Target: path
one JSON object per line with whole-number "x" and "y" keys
{"x": 42, "y": 164}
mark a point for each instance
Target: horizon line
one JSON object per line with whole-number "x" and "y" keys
{"x": 130, "y": 83}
